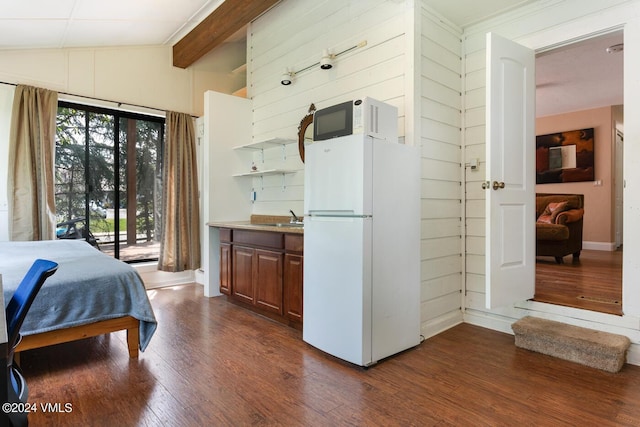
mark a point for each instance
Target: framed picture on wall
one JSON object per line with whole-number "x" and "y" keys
{"x": 565, "y": 157}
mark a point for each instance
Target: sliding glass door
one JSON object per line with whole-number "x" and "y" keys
{"x": 108, "y": 179}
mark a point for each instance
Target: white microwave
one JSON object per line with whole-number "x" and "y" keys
{"x": 362, "y": 116}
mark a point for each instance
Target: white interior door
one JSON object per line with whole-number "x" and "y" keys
{"x": 510, "y": 181}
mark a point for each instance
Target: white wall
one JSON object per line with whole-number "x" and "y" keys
{"x": 138, "y": 75}
{"x": 440, "y": 119}
{"x": 224, "y": 197}
{"x": 538, "y": 26}
{"x": 293, "y": 34}
{"x": 6, "y": 103}
{"x": 411, "y": 60}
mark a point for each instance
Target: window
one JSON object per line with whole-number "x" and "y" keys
{"x": 109, "y": 179}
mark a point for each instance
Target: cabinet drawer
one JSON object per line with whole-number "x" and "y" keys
{"x": 293, "y": 243}
{"x": 225, "y": 235}
{"x": 265, "y": 239}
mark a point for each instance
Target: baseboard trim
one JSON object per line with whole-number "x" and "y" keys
{"x": 599, "y": 246}
{"x": 440, "y": 324}
{"x": 633, "y": 355}
{"x": 154, "y": 278}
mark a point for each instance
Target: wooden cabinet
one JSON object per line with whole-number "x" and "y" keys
{"x": 242, "y": 274}
{"x": 262, "y": 270}
{"x": 268, "y": 280}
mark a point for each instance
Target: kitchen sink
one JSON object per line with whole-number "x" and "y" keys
{"x": 285, "y": 224}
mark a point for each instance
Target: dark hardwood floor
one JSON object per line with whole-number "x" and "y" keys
{"x": 594, "y": 282}
{"x": 213, "y": 363}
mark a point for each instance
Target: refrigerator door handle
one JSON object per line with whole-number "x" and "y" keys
{"x": 336, "y": 213}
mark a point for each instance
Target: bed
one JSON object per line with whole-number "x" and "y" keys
{"x": 91, "y": 294}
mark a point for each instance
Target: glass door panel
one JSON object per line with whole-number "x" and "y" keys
{"x": 140, "y": 174}
{"x": 108, "y": 180}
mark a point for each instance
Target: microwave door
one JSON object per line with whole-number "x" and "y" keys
{"x": 333, "y": 122}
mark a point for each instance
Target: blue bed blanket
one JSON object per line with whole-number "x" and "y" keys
{"x": 88, "y": 287}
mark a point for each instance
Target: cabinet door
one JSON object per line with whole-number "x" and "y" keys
{"x": 269, "y": 280}
{"x": 293, "y": 287}
{"x": 225, "y": 268}
{"x": 243, "y": 274}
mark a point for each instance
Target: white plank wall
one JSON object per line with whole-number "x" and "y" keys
{"x": 411, "y": 60}
{"x": 292, "y": 35}
{"x": 539, "y": 26}
{"x": 440, "y": 125}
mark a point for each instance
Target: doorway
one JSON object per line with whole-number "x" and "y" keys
{"x": 574, "y": 84}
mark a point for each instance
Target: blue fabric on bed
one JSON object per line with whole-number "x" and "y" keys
{"x": 89, "y": 286}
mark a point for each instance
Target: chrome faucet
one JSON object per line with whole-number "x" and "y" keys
{"x": 294, "y": 218}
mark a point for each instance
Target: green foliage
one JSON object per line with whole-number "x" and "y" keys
{"x": 87, "y": 176}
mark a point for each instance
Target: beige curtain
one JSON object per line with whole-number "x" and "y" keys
{"x": 31, "y": 164}
{"x": 180, "y": 243}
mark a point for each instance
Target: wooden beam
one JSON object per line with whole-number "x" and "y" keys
{"x": 223, "y": 22}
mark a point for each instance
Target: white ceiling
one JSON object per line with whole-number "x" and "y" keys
{"x": 580, "y": 76}
{"x": 82, "y": 23}
{"x": 574, "y": 78}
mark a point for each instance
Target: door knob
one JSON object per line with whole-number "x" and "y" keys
{"x": 485, "y": 185}
{"x": 497, "y": 185}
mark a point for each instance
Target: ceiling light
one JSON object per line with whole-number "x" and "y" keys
{"x": 615, "y": 48}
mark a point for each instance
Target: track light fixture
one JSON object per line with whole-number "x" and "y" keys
{"x": 287, "y": 77}
{"x": 325, "y": 63}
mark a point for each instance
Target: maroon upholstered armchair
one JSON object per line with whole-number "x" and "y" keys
{"x": 559, "y": 219}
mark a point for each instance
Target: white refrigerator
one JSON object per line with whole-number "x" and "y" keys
{"x": 361, "y": 248}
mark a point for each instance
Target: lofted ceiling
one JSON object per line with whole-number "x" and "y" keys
{"x": 29, "y": 24}
{"x": 577, "y": 77}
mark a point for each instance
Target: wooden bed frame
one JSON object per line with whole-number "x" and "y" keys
{"x": 128, "y": 323}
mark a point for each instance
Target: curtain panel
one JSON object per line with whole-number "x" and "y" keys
{"x": 31, "y": 164}
{"x": 180, "y": 242}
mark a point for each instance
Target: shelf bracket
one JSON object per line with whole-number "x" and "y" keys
{"x": 284, "y": 186}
